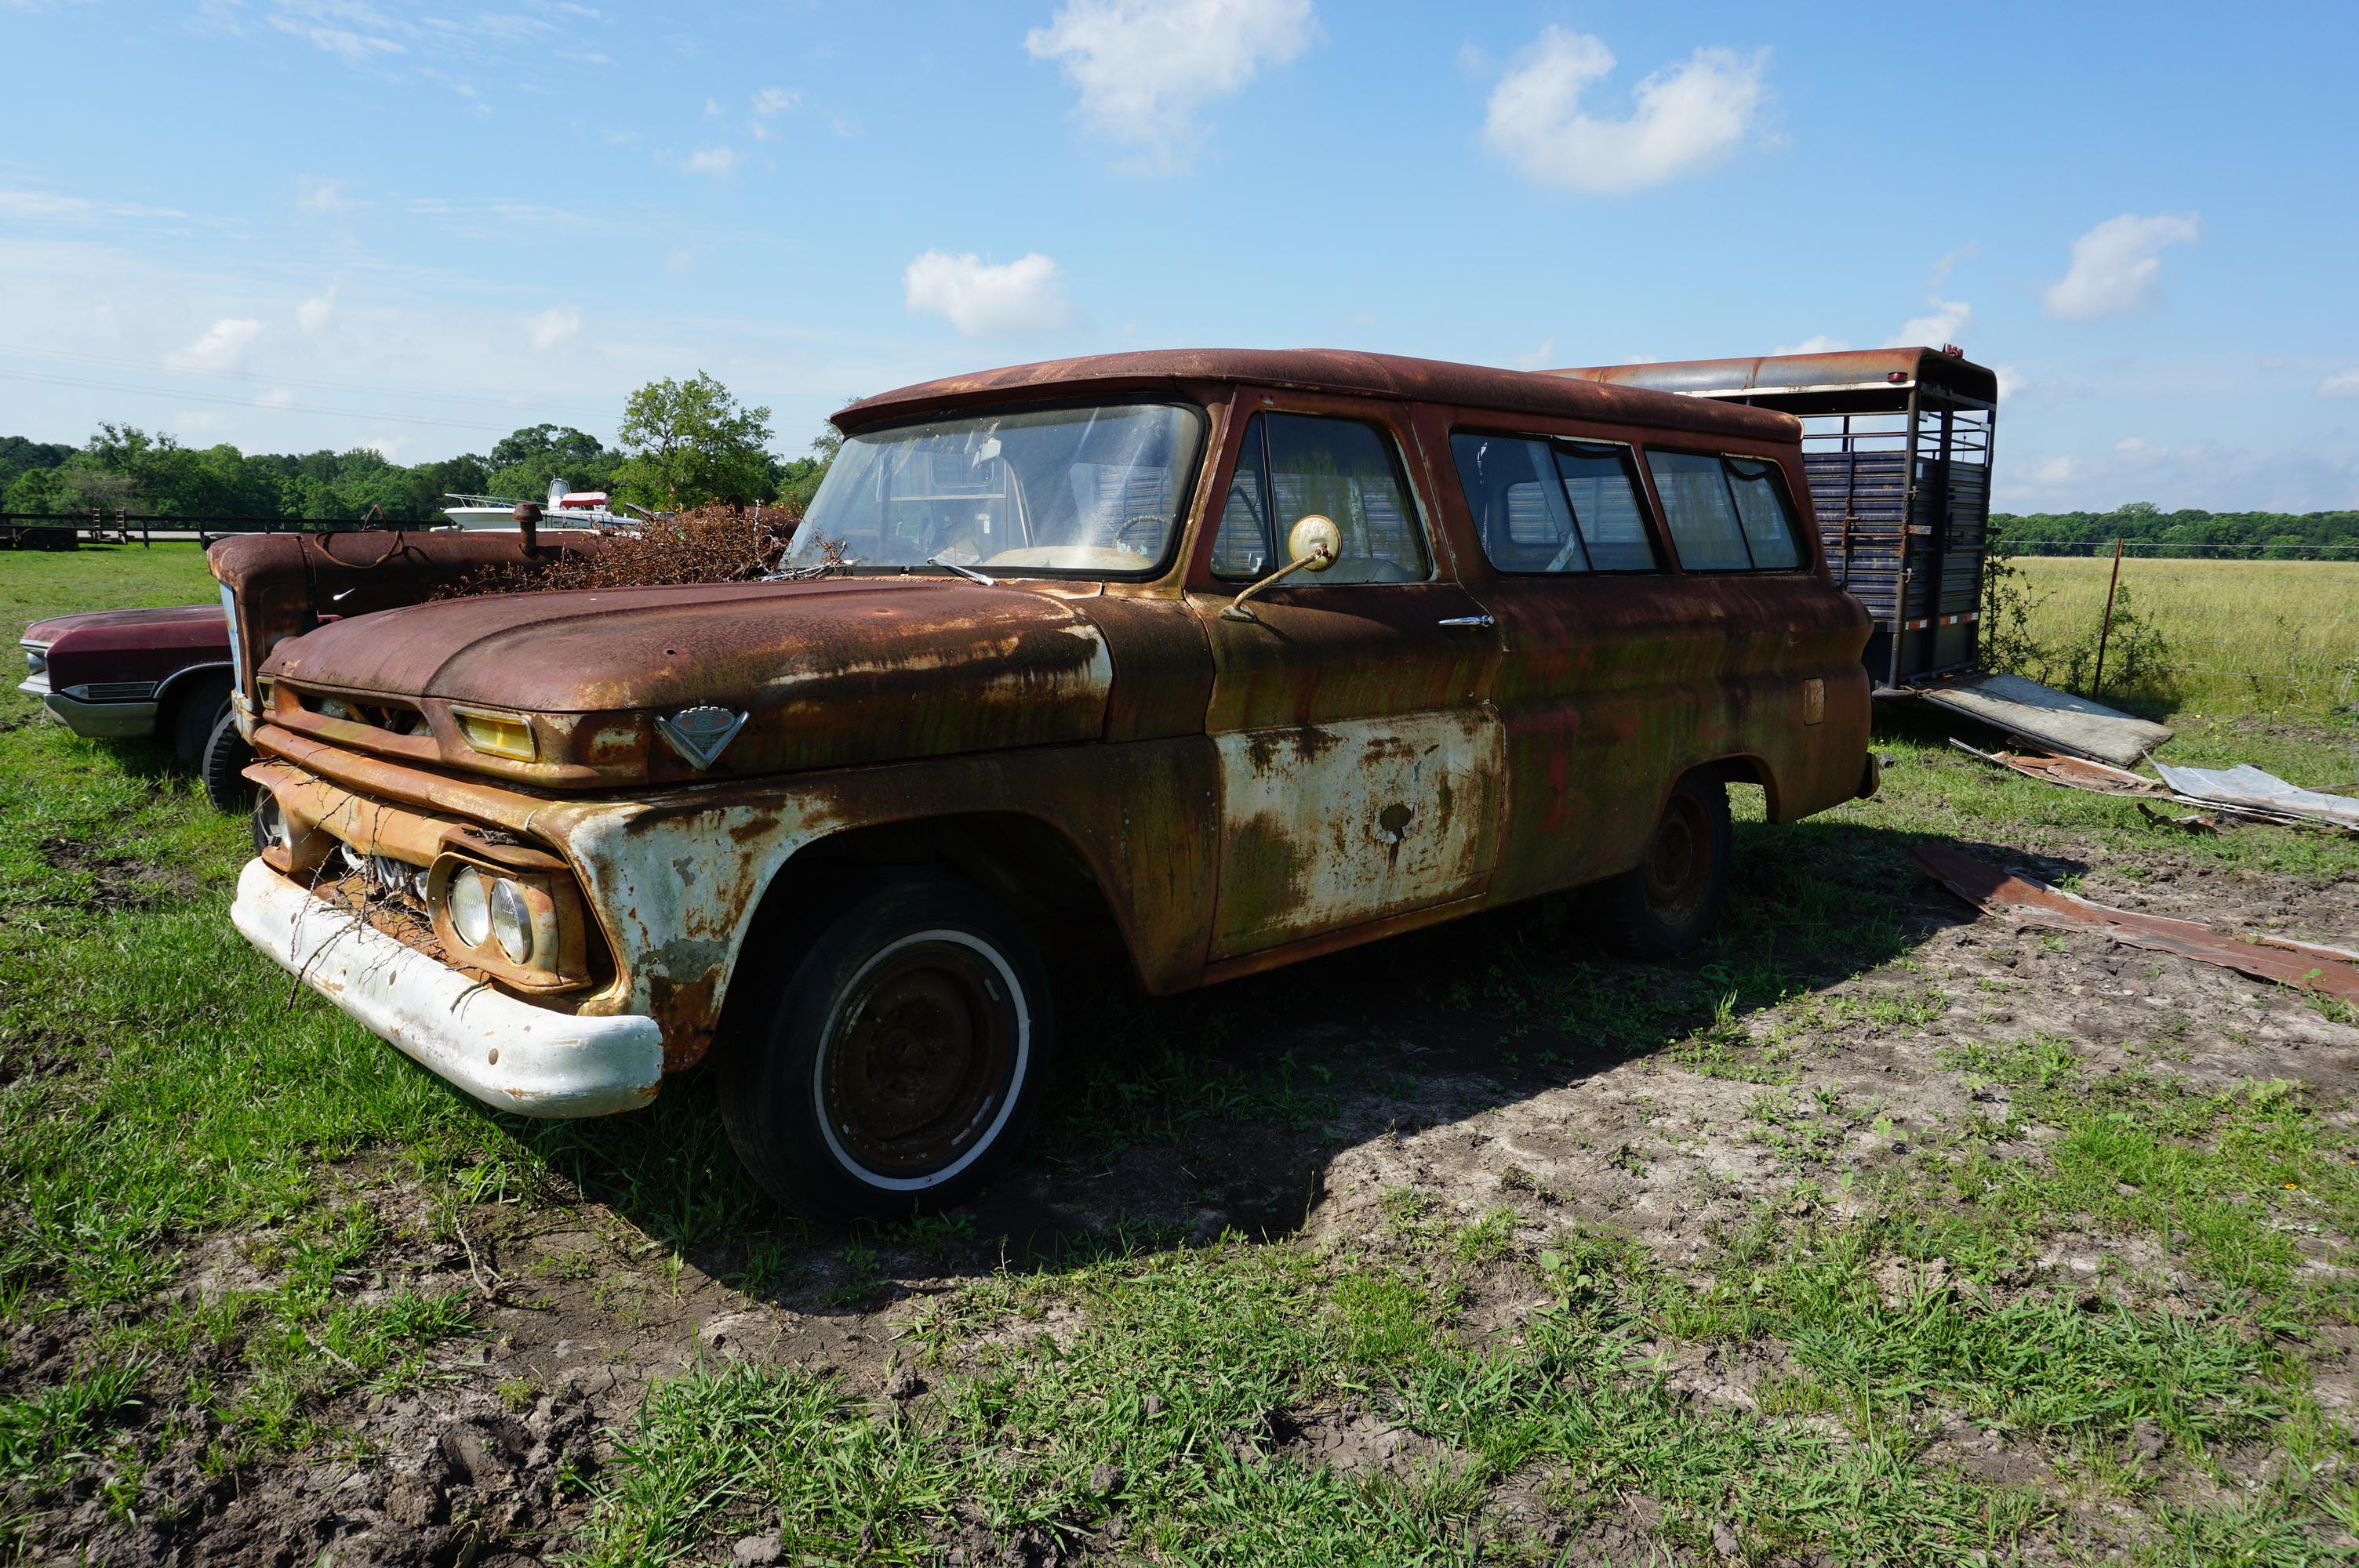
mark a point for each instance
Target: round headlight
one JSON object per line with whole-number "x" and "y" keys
{"x": 511, "y": 921}
{"x": 471, "y": 906}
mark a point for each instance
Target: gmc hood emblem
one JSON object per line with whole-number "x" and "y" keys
{"x": 701, "y": 734}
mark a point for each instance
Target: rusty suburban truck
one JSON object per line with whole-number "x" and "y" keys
{"x": 1220, "y": 658}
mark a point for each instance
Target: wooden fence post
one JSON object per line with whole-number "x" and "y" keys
{"x": 2105, "y": 630}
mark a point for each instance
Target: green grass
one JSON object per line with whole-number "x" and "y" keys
{"x": 202, "y": 1169}
{"x": 35, "y": 584}
{"x": 2273, "y": 637}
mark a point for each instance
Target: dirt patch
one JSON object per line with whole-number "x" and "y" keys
{"x": 1360, "y": 1442}
{"x": 117, "y": 882}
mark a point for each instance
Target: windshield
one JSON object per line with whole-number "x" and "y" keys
{"x": 1092, "y": 490}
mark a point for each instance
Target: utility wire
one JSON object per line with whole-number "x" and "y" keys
{"x": 120, "y": 363}
{"x": 184, "y": 395}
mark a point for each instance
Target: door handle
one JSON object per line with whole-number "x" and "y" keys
{"x": 1484, "y": 621}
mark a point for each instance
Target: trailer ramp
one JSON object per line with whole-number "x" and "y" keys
{"x": 2055, "y": 719}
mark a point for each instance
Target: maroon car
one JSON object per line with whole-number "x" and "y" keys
{"x": 163, "y": 673}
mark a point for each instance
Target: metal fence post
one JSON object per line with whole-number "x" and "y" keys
{"x": 2106, "y": 629}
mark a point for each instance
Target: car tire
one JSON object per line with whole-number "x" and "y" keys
{"x": 1672, "y": 899}
{"x": 221, "y": 764}
{"x": 898, "y": 1061}
{"x": 195, "y": 706}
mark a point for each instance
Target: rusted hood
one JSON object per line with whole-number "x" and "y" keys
{"x": 827, "y": 673}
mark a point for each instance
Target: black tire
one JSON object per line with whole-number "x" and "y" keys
{"x": 897, "y": 1064}
{"x": 1671, "y": 900}
{"x": 222, "y": 765}
{"x": 195, "y": 706}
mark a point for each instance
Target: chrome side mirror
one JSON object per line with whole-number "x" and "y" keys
{"x": 1314, "y": 542}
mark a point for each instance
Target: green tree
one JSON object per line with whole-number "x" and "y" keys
{"x": 687, "y": 442}
{"x": 794, "y": 482}
{"x": 521, "y": 464}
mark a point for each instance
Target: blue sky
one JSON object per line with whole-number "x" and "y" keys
{"x": 294, "y": 223}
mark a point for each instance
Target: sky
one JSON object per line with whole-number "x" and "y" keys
{"x": 290, "y": 224}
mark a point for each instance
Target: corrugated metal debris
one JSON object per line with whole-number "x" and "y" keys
{"x": 2248, "y": 787}
{"x": 2332, "y": 971}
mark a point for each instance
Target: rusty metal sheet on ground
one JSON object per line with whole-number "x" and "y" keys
{"x": 2305, "y": 966}
{"x": 2058, "y": 718}
{"x": 2073, "y": 773}
{"x": 2247, "y": 785}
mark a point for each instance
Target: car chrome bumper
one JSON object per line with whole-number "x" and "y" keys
{"x": 99, "y": 720}
{"x": 508, "y": 1054}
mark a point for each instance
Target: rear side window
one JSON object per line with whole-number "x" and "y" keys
{"x": 1726, "y": 514}
{"x": 1553, "y": 506}
{"x": 1340, "y": 469}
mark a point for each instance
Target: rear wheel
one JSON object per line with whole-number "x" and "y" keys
{"x": 899, "y": 1061}
{"x": 222, "y": 765}
{"x": 1671, "y": 900}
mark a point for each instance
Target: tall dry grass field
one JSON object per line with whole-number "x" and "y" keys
{"x": 2262, "y": 636}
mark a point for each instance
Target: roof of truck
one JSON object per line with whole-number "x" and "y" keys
{"x": 1879, "y": 375}
{"x": 1327, "y": 370}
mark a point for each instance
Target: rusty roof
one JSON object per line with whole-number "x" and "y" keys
{"x": 1850, "y": 369}
{"x": 1326, "y": 369}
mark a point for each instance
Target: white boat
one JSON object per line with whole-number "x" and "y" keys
{"x": 565, "y": 508}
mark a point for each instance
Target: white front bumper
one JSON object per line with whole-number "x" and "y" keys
{"x": 508, "y": 1054}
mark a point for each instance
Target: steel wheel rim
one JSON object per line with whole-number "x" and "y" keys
{"x": 923, "y": 1060}
{"x": 1678, "y": 867}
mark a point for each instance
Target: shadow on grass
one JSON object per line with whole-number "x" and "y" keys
{"x": 1172, "y": 1119}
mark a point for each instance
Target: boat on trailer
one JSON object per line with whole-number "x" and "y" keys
{"x": 564, "y": 508}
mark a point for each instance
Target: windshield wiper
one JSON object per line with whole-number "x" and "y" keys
{"x": 967, "y": 572}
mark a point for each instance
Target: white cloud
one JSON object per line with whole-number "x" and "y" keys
{"x": 712, "y": 160}
{"x": 325, "y": 24}
{"x": 553, "y": 326}
{"x": 19, "y": 201}
{"x": 1017, "y": 298}
{"x": 1537, "y": 357}
{"x": 2057, "y": 469}
{"x": 712, "y": 109}
{"x": 1682, "y": 119}
{"x": 323, "y": 198}
{"x": 1145, "y": 66}
{"x": 277, "y": 397}
{"x": 1948, "y": 322}
{"x": 1817, "y": 343}
{"x": 768, "y": 104}
{"x": 220, "y": 345}
{"x": 2341, "y": 384}
{"x": 2117, "y": 265}
{"x": 678, "y": 259}
{"x": 2011, "y": 382}
{"x": 314, "y": 313}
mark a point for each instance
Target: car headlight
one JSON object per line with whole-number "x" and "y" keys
{"x": 471, "y": 906}
{"x": 511, "y": 921}
{"x": 525, "y": 926}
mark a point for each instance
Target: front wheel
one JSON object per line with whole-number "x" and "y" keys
{"x": 221, "y": 764}
{"x": 1671, "y": 900}
{"x": 900, "y": 1059}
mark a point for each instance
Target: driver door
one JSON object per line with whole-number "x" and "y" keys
{"x": 1361, "y": 761}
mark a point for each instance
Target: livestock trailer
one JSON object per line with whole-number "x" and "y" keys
{"x": 1896, "y": 443}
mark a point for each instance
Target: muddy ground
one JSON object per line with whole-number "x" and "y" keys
{"x": 1416, "y": 1084}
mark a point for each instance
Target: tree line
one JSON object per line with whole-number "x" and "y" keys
{"x": 2145, "y": 529}
{"x": 681, "y": 444}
